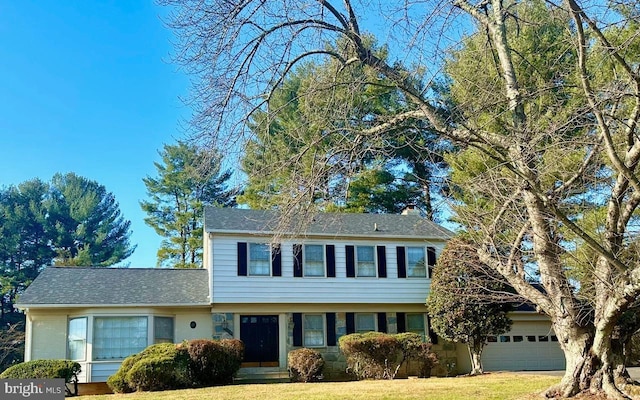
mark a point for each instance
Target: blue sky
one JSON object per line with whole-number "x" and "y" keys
{"x": 87, "y": 87}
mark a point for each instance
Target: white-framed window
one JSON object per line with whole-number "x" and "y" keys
{"x": 116, "y": 338}
{"x": 314, "y": 260}
{"x": 415, "y": 323}
{"x": 77, "y": 339}
{"x": 313, "y": 330}
{"x": 365, "y": 322}
{"x": 416, "y": 262}
{"x": 365, "y": 261}
{"x": 163, "y": 330}
{"x": 259, "y": 259}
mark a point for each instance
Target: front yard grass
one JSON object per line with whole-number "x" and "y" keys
{"x": 498, "y": 386}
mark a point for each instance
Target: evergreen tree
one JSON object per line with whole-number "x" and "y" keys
{"x": 462, "y": 302}
{"x": 177, "y": 197}
{"x": 86, "y": 223}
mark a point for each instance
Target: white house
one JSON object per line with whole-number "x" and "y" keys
{"x": 275, "y": 290}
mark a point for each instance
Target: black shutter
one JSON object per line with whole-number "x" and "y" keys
{"x": 382, "y": 261}
{"x": 351, "y": 322}
{"x": 242, "y": 259}
{"x": 351, "y": 261}
{"x": 433, "y": 338}
{"x": 297, "y": 329}
{"x": 382, "y": 322}
{"x": 331, "y": 329}
{"x": 402, "y": 262}
{"x": 276, "y": 260}
{"x": 401, "y": 322}
{"x": 297, "y": 260}
{"x": 330, "y": 252}
{"x": 431, "y": 259}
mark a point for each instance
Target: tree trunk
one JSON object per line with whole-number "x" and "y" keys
{"x": 475, "y": 354}
{"x": 576, "y": 344}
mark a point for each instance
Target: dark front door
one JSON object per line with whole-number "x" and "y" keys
{"x": 259, "y": 333}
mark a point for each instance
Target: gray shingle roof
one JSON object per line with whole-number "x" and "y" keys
{"x": 117, "y": 286}
{"x": 234, "y": 220}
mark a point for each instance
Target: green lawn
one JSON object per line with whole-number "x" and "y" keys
{"x": 498, "y": 386}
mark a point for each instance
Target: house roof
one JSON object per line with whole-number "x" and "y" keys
{"x": 75, "y": 286}
{"x": 235, "y": 220}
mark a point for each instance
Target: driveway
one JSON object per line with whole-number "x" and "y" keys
{"x": 634, "y": 372}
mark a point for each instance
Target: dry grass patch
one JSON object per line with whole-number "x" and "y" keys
{"x": 494, "y": 386}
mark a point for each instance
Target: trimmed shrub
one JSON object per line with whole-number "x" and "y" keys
{"x": 153, "y": 374}
{"x": 165, "y": 366}
{"x": 214, "y": 362}
{"x": 140, "y": 371}
{"x": 414, "y": 349}
{"x": 372, "y": 355}
{"x": 46, "y": 369}
{"x": 305, "y": 365}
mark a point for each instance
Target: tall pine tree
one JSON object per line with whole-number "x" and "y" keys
{"x": 188, "y": 179}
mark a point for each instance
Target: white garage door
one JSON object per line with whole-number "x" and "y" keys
{"x": 528, "y": 346}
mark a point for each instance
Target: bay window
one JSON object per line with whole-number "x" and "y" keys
{"x": 116, "y": 338}
{"x": 77, "y": 339}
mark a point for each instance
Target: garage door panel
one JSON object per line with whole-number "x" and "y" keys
{"x": 519, "y": 354}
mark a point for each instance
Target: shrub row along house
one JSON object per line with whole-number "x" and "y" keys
{"x": 274, "y": 290}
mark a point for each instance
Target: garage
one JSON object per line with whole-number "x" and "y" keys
{"x": 529, "y": 346}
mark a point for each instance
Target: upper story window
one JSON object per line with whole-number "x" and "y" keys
{"x": 416, "y": 262}
{"x": 313, "y": 330}
{"x": 313, "y": 260}
{"x": 259, "y": 259}
{"x": 365, "y": 261}
{"x": 77, "y": 339}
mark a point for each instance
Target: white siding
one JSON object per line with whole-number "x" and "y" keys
{"x": 101, "y": 371}
{"x": 228, "y": 287}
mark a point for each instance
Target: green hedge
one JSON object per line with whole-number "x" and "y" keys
{"x": 46, "y": 369}
{"x": 195, "y": 363}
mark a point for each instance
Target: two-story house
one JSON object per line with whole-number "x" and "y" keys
{"x": 273, "y": 288}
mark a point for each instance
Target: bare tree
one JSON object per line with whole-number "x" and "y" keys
{"x": 534, "y": 165}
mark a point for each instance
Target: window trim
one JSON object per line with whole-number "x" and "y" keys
{"x": 324, "y": 330}
{"x": 408, "y": 264}
{"x": 304, "y": 260}
{"x": 269, "y": 259}
{"x": 357, "y": 262}
{"x": 173, "y": 328}
{"x": 86, "y": 335}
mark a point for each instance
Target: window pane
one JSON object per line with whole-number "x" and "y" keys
{"x": 163, "y": 330}
{"x": 416, "y": 263}
{"x": 415, "y": 323}
{"x": 313, "y": 260}
{"x": 313, "y": 330}
{"x": 365, "y": 323}
{"x": 366, "y": 261}
{"x": 77, "y": 339}
{"x": 118, "y": 337}
{"x": 259, "y": 259}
